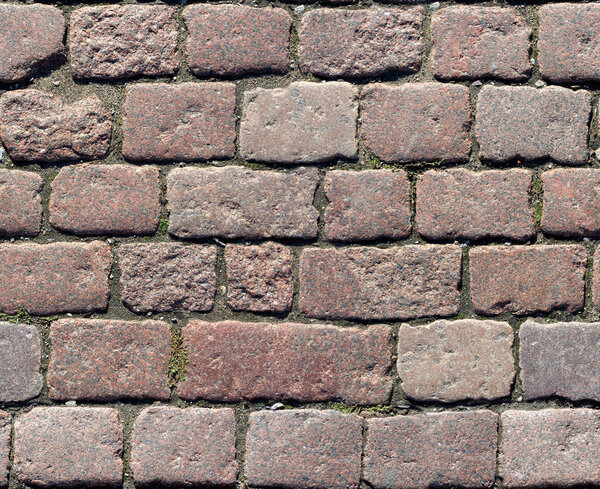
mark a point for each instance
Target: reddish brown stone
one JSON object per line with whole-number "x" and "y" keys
{"x": 174, "y": 447}
{"x": 463, "y": 204}
{"x": 54, "y": 278}
{"x": 257, "y": 44}
{"x": 367, "y": 205}
{"x": 302, "y": 123}
{"x": 532, "y": 124}
{"x": 122, "y": 41}
{"x": 20, "y": 203}
{"x": 304, "y": 449}
{"x": 99, "y": 360}
{"x": 69, "y": 447}
{"x": 307, "y": 363}
{"x": 37, "y": 126}
{"x": 524, "y": 280}
{"x": 31, "y": 40}
{"x": 234, "y": 202}
{"x": 367, "y": 42}
{"x": 373, "y": 283}
{"x": 106, "y": 199}
{"x": 432, "y": 450}
{"x": 5, "y": 428}
{"x": 416, "y": 122}
{"x": 183, "y": 122}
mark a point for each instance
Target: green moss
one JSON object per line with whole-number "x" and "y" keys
{"x": 23, "y": 317}
{"x": 163, "y": 225}
{"x": 179, "y": 360}
{"x": 537, "y": 200}
{"x": 352, "y": 409}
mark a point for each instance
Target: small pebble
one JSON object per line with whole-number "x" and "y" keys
{"x": 71, "y": 403}
{"x": 276, "y": 406}
{"x": 2, "y": 154}
{"x": 532, "y": 61}
{"x": 149, "y": 314}
{"x": 174, "y": 320}
{"x": 56, "y": 83}
{"x": 435, "y": 6}
{"x": 69, "y": 315}
{"x": 477, "y": 83}
{"x": 540, "y": 83}
{"x": 299, "y": 9}
{"x": 598, "y": 153}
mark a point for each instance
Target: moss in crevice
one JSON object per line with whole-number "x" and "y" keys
{"x": 179, "y": 360}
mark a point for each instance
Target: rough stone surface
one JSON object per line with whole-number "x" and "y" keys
{"x": 5, "y": 428}
{"x": 416, "y": 122}
{"x": 432, "y": 450}
{"x": 103, "y": 360}
{"x": 235, "y": 202}
{"x": 356, "y": 43}
{"x": 39, "y": 127}
{"x": 167, "y": 276}
{"x": 367, "y": 205}
{"x": 259, "y": 278}
{"x": 257, "y": 44}
{"x": 183, "y": 122}
{"x": 303, "y": 123}
{"x": 532, "y": 124}
{"x": 418, "y": 281}
{"x": 106, "y": 199}
{"x": 20, "y": 203}
{"x": 452, "y": 361}
{"x": 470, "y": 205}
{"x": 123, "y": 41}
{"x": 304, "y": 449}
{"x": 524, "y": 280}
{"x": 69, "y": 447}
{"x": 306, "y": 363}
{"x": 54, "y": 278}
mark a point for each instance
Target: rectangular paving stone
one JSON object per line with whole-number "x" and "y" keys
{"x": 20, "y": 203}
{"x": 5, "y": 429}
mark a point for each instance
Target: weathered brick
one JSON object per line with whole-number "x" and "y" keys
{"x": 532, "y": 124}
{"x": 464, "y": 204}
{"x": 37, "y": 126}
{"x": 103, "y": 360}
{"x": 302, "y": 123}
{"x": 372, "y": 283}
{"x": 54, "y": 278}
{"x": 174, "y": 447}
{"x": 432, "y": 450}
{"x": 258, "y": 44}
{"x": 167, "y": 276}
{"x": 302, "y": 362}
{"x": 453, "y": 361}
{"x": 31, "y": 40}
{"x": 5, "y": 428}
{"x": 550, "y": 448}
{"x": 20, "y": 203}
{"x": 367, "y": 42}
{"x": 20, "y": 378}
{"x": 469, "y": 43}
{"x": 122, "y": 41}
{"x": 527, "y": 279}
{"x": 69, "y": 447}
{"x": 416, "y": 122}
{"x": 367, "y": 205}
{"x": 304, "y": 449}
{"x": 259, "y": 278}
{"x": 235, "y": 202}
{"x": 106, "y": 199}
{"x": 183, "y": 122}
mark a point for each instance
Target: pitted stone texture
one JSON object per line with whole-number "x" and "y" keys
{"x": 367, "y": 205}
{"x": 123, "y": 41}
{"x": 167, "y": 276}
{"x": 432, "y": 450}
{"x": 550, "y": 448}
{"x": 54, "y": 278}
{"x": 5, "y": 428}
{"x": 235, "y": 202}
{"x": 416, "y": 122}
{"x": 69, "y": 447}
{"x": 237, "y": 40}
{"x": 524, "y": 280}
{"x": 302, "y": 123}
{"x": 259, "y": 278}
{"x": 106, "y": 199}
{"x": 183, "y": 122}
{"x": 464, "y": 204}
{"x": 356, "y": 43}
{"x": 100, "y": 360}
{"x": 470, "y": 43}
{"x": 20, "y": 203}
{"x": 31, "y": 40}
{"x": 304, "y": 449}
{"x": 302, "y": 362}
{"x": 532, "y": 124}
{"x": 370, "y": 283}
{"x": 37, "y": 126}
